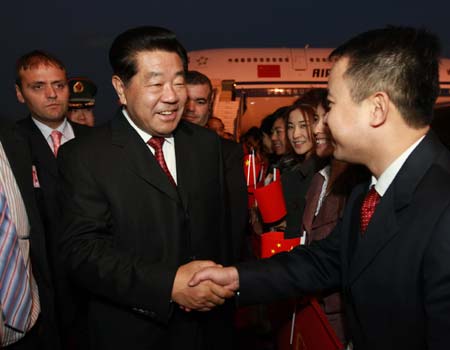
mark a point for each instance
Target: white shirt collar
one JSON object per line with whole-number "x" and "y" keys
{"x": 143, "y": 134}
{"x": 386, "y": 178}
{"x": 168, "y": 146}
{"x": 65, "y": 128}
{"x": 46, "y": 130}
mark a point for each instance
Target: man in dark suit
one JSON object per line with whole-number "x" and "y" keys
{"x": 393, "y": 268}
{"x": 198, "y": 111}
{"x": 143, "y": 201}
{"x": 16, "y": 186}
{"x": 41, "y": 84}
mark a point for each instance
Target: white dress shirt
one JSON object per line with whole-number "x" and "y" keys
{"x": 386, "y": 178}
{"x": 168, "y": 146}
{"x": 65, "y": 128}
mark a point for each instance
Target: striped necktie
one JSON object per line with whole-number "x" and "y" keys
{"x": 15, "y": 293}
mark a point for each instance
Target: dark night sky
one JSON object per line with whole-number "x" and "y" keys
{"x": 80, "y": 32}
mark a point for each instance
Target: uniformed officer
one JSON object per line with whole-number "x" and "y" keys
{"x": 82, "y": 101}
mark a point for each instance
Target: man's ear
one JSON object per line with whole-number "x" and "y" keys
{"x": 379, "y": 104}
{"x": 119, "y": 86}
{"x": 19, "y": 95}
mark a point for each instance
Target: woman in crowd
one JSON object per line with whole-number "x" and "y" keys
{"x": 299, "y": 119}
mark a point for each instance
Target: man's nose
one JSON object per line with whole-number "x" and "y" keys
{"x": 50, "y": 91}
{"x": 170, "y": 95}
{"x": 190, "y": 104}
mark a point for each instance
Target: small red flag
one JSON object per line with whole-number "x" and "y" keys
{"x": 252, "y": 169}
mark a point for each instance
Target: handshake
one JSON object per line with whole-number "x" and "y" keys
{"x": 201, "y": 285}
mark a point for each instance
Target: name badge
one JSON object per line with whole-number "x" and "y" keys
{"x": 35, "y": 177}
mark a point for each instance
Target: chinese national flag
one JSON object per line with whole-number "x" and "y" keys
{"x": 252, "y": 168}
{"x": 269, "y": 71}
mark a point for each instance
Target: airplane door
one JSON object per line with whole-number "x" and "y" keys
{"x": 298, "y": 59}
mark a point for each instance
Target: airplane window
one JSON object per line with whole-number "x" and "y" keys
{"x": 311, "y": 59}
{"x": 236, "y": 60}
{"x": 286, "y": 59}
{"x": 267, "y": 59}
{"x": 317, "y": 59}
{"x": 280, "y": 59}
{"x": 249, "y": 59}
{"x": 242, "y": 59}
{"x": 255, "y": 59}
{"x": 261, "y": 59}
{"x": 230, "y": 60}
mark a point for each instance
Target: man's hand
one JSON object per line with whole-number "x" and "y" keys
{"x": 227, "y": 277}
{"x": 203, "y": 296}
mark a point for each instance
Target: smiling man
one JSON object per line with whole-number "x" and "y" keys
{"x": 144, "y": 199}
{"x": 390, "y": 252}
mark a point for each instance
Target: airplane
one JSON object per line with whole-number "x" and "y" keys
{"x": 249, "y": 84}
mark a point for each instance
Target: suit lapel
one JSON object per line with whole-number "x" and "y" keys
{"x": 384, "y": 225}
{"x": 186, "y": 159}
{"x": 382, "y": 228}
{"x": 137, "y": 156}
{"x": 330, "y": 211}
{"x": 20, "y": 162}
{"x": 40, "y": 147}
{"x": 312, "y": 197}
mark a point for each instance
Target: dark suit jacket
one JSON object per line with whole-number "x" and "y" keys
{"x": 396, "y": 279}
{"x": 295, "y": 183}
{"x": 47, "y": 168}
{"x": 128, "y": 229}
{"x": 236, "y": 195}
{"x": 20, "y": 161}
{"x": 68, "y": 303}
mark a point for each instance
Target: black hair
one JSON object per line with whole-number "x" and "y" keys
{"x": 123, "y": 51}
{"x": 401, "y": 61}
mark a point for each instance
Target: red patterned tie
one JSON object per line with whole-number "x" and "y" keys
{"x": 368, "y": 208}
{"x": 56, "y": 139}
{"x": 156, "y": 143}
{"x": 15, "y": 292}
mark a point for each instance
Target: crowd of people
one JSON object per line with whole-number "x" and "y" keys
{"x": 137, "y": 233}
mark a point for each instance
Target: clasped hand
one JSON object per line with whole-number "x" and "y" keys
{"x": 202, "y": 294}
